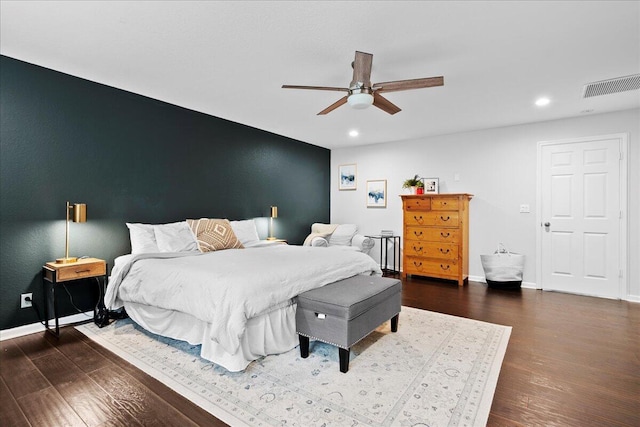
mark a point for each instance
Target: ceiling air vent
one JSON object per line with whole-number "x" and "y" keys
{"x": 606, "y": 87}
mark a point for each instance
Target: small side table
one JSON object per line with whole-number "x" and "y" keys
{"x": 55, "y": 275}
{"x": 384, "y": 255}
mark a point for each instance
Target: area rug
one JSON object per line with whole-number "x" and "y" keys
{"x": 437, "y": 370}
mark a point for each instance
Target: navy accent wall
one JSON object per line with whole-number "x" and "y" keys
{"x": 130, "y": 159}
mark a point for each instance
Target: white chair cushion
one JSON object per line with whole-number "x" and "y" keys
{"x": 319, "y": 242}
{"x": 342, "y": 235}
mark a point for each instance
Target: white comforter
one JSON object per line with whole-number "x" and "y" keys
{"x": 225, "y": 288}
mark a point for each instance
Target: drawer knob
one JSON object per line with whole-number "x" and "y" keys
{"x": 82, "y": 271}
{"x": 418, "y": 233}
{"x": 445, "y": 235}
{"x": 418, "y": 219}
{"x": 445, "y": 219}
{"x": 417, "y": 249}
{"x": 417, "y": 264}
{"x": 445, "y": 268}
{"x": 445, "y": 251}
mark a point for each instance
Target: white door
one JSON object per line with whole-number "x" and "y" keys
{"x": 580, "y": 213}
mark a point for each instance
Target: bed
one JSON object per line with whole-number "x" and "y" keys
{"x": 237, "y": 303}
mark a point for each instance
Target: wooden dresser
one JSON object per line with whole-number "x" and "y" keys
{"x": 436, "y": 236}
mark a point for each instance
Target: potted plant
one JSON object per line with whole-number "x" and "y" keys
{"x": 413, "y": 184}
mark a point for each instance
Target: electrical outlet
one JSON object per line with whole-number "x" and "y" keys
{"x": 525, "y": 209}
{"x": 23, "y": 300}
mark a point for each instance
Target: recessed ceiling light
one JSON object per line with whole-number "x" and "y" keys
{"x": 353, "y": 133}
{"x": 541, "y": 102}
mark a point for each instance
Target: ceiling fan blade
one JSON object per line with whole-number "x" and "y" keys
{"x": 333, "y": 106}
{"x": 338, "y": 89}
{"x": 362, "y": 69}
{"x": 384, "y": 104}
{"x": 408, "y": 84}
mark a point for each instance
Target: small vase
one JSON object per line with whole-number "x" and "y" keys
{"x": 420, "y": 190}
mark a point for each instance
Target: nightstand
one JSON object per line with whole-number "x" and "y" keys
{"x": 55, "y": 275}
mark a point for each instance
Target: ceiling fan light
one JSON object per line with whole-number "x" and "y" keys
{"x": 360, "y": 100}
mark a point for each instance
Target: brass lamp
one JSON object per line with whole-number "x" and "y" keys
{"x": 76, "y": 213}
{"x": 274, "y": 214}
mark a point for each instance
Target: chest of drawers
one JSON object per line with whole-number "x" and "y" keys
{"x": 436, "y": 236}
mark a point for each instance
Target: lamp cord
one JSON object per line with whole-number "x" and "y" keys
{"x": 97, "y": 307}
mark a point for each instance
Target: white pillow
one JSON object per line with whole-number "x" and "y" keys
{"x": 175, "y": 237}
{"x": 143, "y": 238}
{"x": 245, "y": 231}
{"x": 342, "y": 235}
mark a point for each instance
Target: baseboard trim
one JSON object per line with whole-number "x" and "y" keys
{"x": 19, "y": 331}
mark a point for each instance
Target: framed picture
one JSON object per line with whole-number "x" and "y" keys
{"x": 377, "y": 193}
{"x": 431, "y": 185}
{"x": 348, "y": 177}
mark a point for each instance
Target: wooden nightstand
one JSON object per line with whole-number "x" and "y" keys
{"x": 55, "y": 275}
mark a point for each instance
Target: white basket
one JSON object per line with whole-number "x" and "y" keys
{"x": 503, "y": 265}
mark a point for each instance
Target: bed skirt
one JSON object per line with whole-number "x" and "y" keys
{"x": 271, "y": 332}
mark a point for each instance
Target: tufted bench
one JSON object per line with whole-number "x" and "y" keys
{"x": 344, "y": 312}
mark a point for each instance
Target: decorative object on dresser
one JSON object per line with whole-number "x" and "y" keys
{"x": 413, "y": 184}
{"x": 436, "y": 236}
{"x": 55, "y": 274}
{"x": 431, "y": 185}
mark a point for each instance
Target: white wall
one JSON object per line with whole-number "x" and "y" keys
{"x": 499, "y": 167}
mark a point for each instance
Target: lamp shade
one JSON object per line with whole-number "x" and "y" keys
{"x": 274, "y": 212}
{"x": 360, "y": 100}
{"x": 79, "y": 212}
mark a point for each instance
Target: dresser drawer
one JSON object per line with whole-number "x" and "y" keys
{"x": 427, "y": 234}
{"x": 431, "y": 249}
{"x": 412, "y": 205}
{"x": 431, "y": 267}
{"x": 79, "y": 271}
{"x": 445, "y": 219}
{"x": 444, "y": 204}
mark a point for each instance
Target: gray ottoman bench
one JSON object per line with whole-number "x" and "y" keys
{"x": 344, "y": 312}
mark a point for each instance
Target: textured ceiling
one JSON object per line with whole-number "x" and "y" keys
{"x": 229, "y": 59}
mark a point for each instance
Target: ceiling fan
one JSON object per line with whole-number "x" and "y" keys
{"x": 362, "y": 93}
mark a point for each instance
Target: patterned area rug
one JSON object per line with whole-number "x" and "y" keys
{"x": 437, "y": 370}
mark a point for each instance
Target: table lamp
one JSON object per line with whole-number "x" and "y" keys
{"x": 76, "y": 212}
{"x": 274, "y": 214}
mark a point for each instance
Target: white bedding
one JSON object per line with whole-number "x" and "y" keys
{"x": 226, "y": 288}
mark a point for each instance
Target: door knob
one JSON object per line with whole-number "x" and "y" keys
{"x": 547, "y": 224}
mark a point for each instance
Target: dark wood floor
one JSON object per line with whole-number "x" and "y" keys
{"x": 571, "y": 361}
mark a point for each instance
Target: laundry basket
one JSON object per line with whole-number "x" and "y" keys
{"x": 503, "y": 269}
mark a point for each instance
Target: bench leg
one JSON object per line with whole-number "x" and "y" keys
{"x": 304, "y": 346}
{"x": 344, "y": 359}
{"x": 394, "y": 323}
